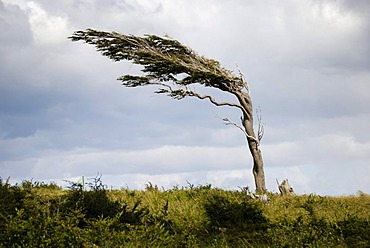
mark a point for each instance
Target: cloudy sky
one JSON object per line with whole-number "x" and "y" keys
{"x": 63, "y": 115}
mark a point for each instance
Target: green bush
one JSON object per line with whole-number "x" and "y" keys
{"x": 235, "y": 222}
{"x": 33, "y": 220}
{"x": 40, "y": 215}
{"x": 93, "y": 203}
{"x": 11, "y": 199}
{"x": 355, "y": 231}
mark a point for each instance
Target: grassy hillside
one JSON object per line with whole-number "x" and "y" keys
{"x": 40, "y": 215}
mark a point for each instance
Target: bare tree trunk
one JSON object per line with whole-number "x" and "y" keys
{"x": 254, "y": 148}
{"x": 253, "y": 142}
{"x": 285, "y": 188}
{"x": 258, "y": 171}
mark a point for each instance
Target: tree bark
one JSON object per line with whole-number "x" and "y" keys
{"x": 254, "y": 148}
{"x": 253, "y": 141}
{"x": 285, "y": 188}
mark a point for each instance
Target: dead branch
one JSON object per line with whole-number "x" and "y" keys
{"x": 261, "y": 126}
{"x": 246, "y": 83}
{"x": 181, "y": 93}
{"x": 228, "y": 122}
{"x": 212, "y": 100}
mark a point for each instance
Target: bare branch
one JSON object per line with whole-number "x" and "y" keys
{"x": 212, "y": 100}
{"x": 228, "y": 122}
{"x": 261, "y": 132}
{"x": 261, "y": 126}
{"x": 181, "y": 93}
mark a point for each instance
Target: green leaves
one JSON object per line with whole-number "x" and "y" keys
{"x": 163, "y": 60}
{"x": 134, "y": 81}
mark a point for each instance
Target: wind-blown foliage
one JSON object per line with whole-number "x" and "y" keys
{"x": 167, "y": 63}
{"x": 164, "y": 60}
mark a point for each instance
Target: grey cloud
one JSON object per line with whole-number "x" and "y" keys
{"x": 61, "y": 105}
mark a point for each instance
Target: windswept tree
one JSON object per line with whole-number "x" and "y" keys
{"x": 173, "y": 68}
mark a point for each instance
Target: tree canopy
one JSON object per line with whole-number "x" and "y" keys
{"x": 165, "y": 61}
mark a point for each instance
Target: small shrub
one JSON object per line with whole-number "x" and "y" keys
{"x": 94, "y": 203}
{"x": 355, "y": 231}
{"x": 11, "y": 199}
{"x": 35, "y": 220}
{"x": 234, "y": 221}
{"x": 39, "y": 185}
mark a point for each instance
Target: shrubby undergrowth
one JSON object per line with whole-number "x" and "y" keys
{"x": 34, "y": 214}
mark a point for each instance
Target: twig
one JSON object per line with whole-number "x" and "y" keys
{"x": 228, "y": 122}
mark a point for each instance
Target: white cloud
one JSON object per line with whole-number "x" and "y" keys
{"x": 230, "y": 179}
{"x": 283, "y": 154}
{"x": 165, "y": 159}
{"x": 165, "y": 166}
{"x": 47, "y": 29}
{"x": 323, "y": 149}
{"x": 332, "y": 145}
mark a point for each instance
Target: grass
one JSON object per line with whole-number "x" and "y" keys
{"x": 40, "y": 215}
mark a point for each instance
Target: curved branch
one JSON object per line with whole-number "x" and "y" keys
{"x": 213, "y": 101}
{"x": 181, "y": 93}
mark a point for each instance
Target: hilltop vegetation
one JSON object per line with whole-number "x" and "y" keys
{"x": 43, "y": 215}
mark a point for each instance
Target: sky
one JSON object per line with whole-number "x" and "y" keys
{"x": 63, "y": 114}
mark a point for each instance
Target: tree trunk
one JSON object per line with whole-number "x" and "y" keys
{"x": 254, "y": 148}
{"x": 253, "y": 142}
{"x": 258, "y": 170}
{"x": 285, "y": 188}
